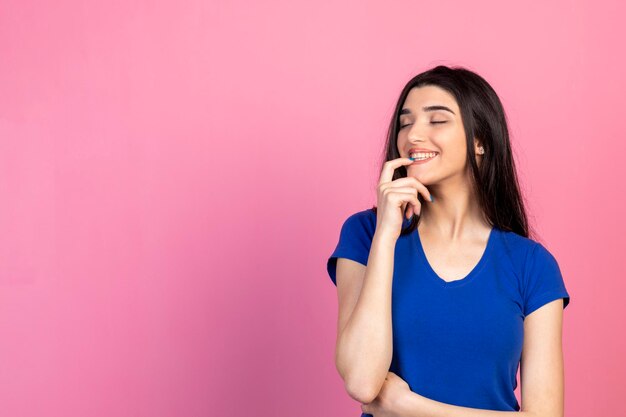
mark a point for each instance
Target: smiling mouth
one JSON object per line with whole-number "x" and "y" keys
{"x": 421, "y": 156}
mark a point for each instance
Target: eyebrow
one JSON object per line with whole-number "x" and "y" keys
{"x": 427, "y": 108}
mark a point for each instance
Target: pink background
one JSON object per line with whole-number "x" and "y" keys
{"x": 174, "y": 174}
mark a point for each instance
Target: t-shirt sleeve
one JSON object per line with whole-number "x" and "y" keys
{"x": 355, "y": 241}
{"x": 543, "y": 281}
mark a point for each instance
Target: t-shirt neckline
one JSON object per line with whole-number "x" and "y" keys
{"x": 465, "y": 280}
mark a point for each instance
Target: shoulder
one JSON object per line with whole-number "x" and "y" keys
{"x": 355, "y": 240}
{"x": 363, "y": 221}
{"x": 365, "y": 217}
{"x": 525, "y": 254}
{"x": 533, "y": 252}
{"x": 516, "y": 246}
{"x": 538, "y": 272}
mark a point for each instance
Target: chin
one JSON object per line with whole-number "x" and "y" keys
{"x": 420, "y": 177}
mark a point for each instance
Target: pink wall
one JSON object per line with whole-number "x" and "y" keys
{"x": 173, "y": 176}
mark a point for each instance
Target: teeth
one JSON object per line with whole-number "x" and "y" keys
{"x": 422, "y": 155}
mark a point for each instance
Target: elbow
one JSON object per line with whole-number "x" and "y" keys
{"x": 356, "y": 388}
{"x": 363, "y": 393}
{"x": 362, "y": 385}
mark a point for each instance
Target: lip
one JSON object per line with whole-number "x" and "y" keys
{"x": 421, "y": 150}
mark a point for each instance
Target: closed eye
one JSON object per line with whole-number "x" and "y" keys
{"x": 433, "y": 122}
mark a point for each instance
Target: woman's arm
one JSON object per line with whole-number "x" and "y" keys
{"x": 419, "y": 406}
{"x": 364, "y": 344}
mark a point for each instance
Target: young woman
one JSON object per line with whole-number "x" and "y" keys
{"x": 442, "y": 293}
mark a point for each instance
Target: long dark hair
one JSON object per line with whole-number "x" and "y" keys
{"x": 483, "y": 117}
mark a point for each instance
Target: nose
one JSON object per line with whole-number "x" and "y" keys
{"x": 415, "y": 134}
{"x": 415, "y": 137}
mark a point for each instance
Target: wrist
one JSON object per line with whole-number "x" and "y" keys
{"x": 385, "y": 239}
{"x": 414, "y": 404}
{"x": 408, "y": 404}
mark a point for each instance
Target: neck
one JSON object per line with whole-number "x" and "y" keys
{"x": 455, "y": 214}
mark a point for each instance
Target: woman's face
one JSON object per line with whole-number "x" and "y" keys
{"x": 430, "y": 119}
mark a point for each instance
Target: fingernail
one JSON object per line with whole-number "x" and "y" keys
{"x": 412, "y": 159}
{"x": 432, "y": 199}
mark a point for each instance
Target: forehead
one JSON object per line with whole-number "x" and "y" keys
{"x": 429, "y": 95}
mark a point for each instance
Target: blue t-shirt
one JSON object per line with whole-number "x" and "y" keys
{"x": 460, "y": 342}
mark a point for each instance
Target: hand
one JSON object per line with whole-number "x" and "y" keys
{"x": 394, "y": 196}
{"x": 390, "y": 399}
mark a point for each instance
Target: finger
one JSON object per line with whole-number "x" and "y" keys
{"x": 409, "y": 210}
{"x": 389, "y": 167}
{"x": 410, "y": 191}
{"x": 409, "y": 197}
{"x": 411, "y": 182}
{"x": 406, "y": 189}
{"x": 408, "y": 182}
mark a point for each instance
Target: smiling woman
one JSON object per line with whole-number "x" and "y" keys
{"x": 437, "y": 281}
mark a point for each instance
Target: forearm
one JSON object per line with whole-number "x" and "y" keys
{"x": 364, "y": 348}
{"x": 418, "y": 406}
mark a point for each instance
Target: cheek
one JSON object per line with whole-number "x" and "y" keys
{"x": 453, "y": 147}
{"x": 401, "y": 144}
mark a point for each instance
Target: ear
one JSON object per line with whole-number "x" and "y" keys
{"x": 477, "y": 144}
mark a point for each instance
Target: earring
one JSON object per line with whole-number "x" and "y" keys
{"x": 481, "y": 150}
